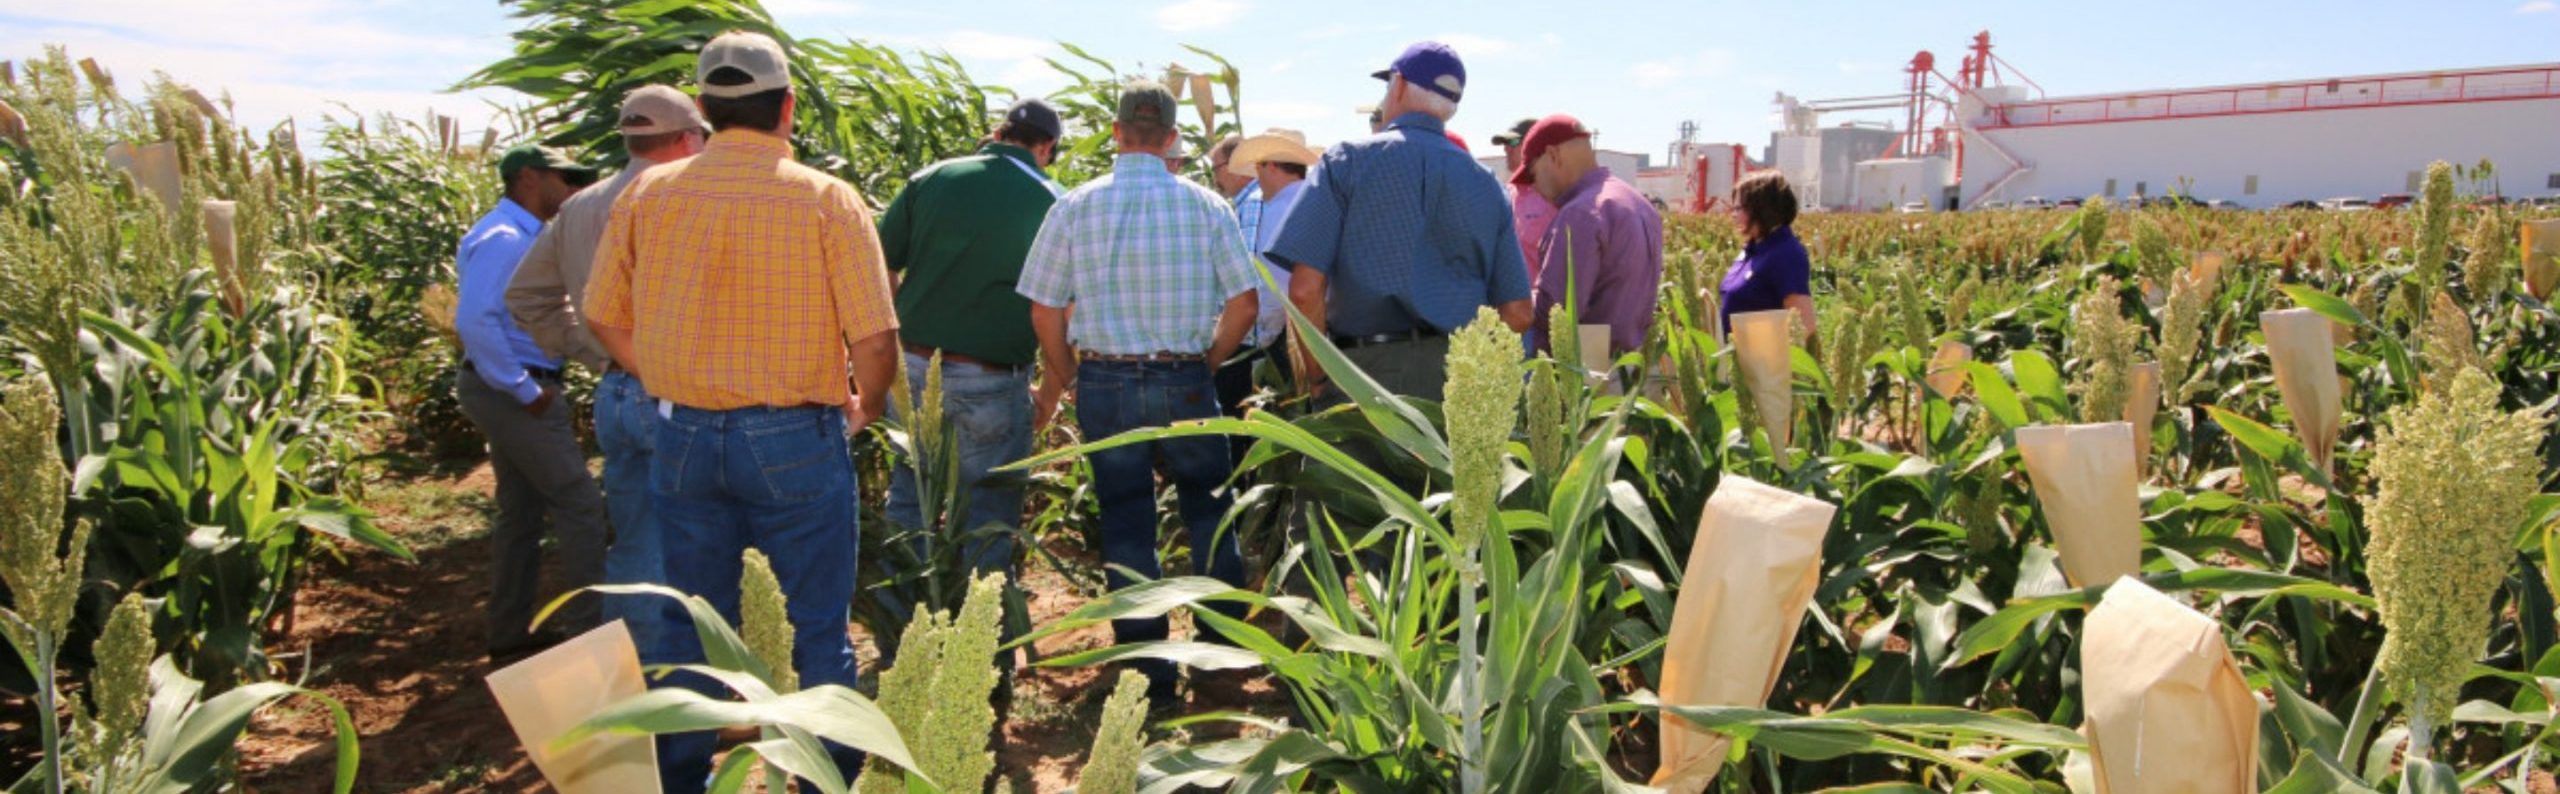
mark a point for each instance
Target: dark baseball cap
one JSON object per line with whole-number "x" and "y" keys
{"x": 1546, "y": 134}
{"x": 528, "y": 155}
{"x": 1513, "y": 136}
{"x": 1146, "y": 102}
{"x": 1035, "y": 113}
{"x": 1432, "y": 66}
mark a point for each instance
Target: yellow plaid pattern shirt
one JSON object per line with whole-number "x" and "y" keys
{"x": 741, "y": 274}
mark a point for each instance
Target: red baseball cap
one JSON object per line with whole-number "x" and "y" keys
{"x": 1544, "y": 135}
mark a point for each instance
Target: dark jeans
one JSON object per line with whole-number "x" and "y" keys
{"x": 542, "y": 484}
{"x": 779, "y": 480}
{"x": 1417, "y": 368}
{"x": 987, "y": 413}
{"x": 1113, "y": 397}
{"x": 627, "y": 429}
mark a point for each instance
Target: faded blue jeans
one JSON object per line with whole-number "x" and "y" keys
{"x": 1113, "y": 397}
{"x": 627, "y": 429}
{"x": 988, "y": 414}
{"x": 779, "y": 480}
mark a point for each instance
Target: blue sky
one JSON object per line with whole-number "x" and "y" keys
{"x": 1632, "y": 70}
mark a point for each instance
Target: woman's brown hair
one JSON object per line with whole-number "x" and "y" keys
{"x": 1767, "y": 201}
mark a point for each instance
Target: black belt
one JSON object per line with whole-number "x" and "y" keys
{"x": 1161, "y": 356}
{"x": 539, "y": 373}
{"x": 1349, "y": 341}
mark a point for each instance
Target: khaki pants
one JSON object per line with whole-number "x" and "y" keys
{"x": 542, "y": 484}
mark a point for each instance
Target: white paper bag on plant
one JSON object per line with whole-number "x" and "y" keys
{"x": 1750, "y": 575}
{"x": 1205, "y": 100}
{"x": 220, "y": 221}
{"x": 2142, "y": 404}
{"x": 546, "y": 695}
{"x": 154, "y": 168}
{"x": 1595, "y": 355}
{"x": 2304, "y": 351}
{"x": 2168, "y": 708}
{"x": 1946, "y": 374}
{"x": 2540, "y": 247}
{"x": 1764, "y": 345}
{"x": 2084, "y": 478}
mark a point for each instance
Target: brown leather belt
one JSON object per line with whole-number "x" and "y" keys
{"x": 959, "y": 358}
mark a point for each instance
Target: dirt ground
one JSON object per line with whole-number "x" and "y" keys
{"x": 400, "y": 645}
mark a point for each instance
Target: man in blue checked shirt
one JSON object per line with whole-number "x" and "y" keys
{"x": 510, "y": 389}
{"x": 1139, "y": 286}
{"x": 1401, "y": 237}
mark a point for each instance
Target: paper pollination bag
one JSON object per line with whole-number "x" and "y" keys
{"x": 1946, "y": 374}
{"x": 2168, "y": 708}
{"x": 2142, "y": 404}
{"x": 1594, "y": 341}
{"x": 2540, "y": 247}
{"x": 1205, "y": 100}
{"x": 1764, "y": 345}
{"x": 220, "y": 236}
{"x": 1743, "y": 594}
{"x": 2084, "y": 478}
{"x": 2206, "y": 266}
{"x": 2304, "y": 351}
{"x": 552, "y": 692}
{"x": 154, "y": 168}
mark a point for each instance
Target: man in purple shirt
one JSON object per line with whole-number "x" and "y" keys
{"x": 1605, "y": 245}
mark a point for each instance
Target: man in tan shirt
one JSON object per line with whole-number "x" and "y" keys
{"x": 659, "y": 124}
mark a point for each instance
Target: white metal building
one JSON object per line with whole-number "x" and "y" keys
{"x": 2265, "y": 144}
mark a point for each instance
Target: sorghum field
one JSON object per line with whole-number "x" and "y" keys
{"x": 240, "y": 505}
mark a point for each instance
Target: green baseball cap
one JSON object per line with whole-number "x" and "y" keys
{"x": 1146, "y": 102}
{"x": 527, "y": 155}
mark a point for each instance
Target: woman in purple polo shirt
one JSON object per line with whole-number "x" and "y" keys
{"x": 1773, "y": 271}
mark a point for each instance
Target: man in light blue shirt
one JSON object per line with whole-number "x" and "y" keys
{"x": 1278, "y": 160}
{"x": 510, "y": 389}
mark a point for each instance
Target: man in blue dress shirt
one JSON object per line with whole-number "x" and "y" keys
{"x": 510, "y": 389}
{"x": 1401, "y": 237}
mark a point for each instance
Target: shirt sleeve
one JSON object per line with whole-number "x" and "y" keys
{"x": 480, "y": 312}
{"x": 1048, "y": 270}
{"x": 1234, "y": 265}
{"x": 608, "y": 300}
{"x": 1509, "y": 280}
{"x": 1794, "y": 272}
{"x": 538, "y": 296}
{"x": 1312, "y": 235}
{"x": 855, "y": 272}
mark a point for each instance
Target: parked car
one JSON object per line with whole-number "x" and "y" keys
{"x": 2305, "y": 204}
{"x": 2224, "y": 204}
{"x": 1915, "y": 207}
{"x": 1994, "y": 204}
{"x": 2393, "y": 201}
{"x": 2034, "y": 203}
{"x": 2170, "y": 202}
{"x": 2068, "y": 204}
{"x": 2346, "y": 204}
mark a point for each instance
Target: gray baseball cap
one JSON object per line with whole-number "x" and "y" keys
{"x": 1146, "y": 102}
{"x": 755, "y": 54}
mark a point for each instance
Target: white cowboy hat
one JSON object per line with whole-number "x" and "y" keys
{"x": 1274, "y": 145}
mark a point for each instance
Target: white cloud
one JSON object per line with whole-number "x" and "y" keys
{"x": 2538, "y": 7}
{"x": 1344, "y": 29}
{"x": 978, "y": 45}
{"x": 1198, "y": 15}
{"x": 814, "y": 9}
{"x": 1469, "y": 45}
{"x": 1710, "y": 63}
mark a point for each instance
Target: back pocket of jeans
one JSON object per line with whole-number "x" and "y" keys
{"x": 672, "y": 448}
{"x": 799, "y": 462}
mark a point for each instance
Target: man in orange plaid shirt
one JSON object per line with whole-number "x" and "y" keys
{"x": 745, "y": 288}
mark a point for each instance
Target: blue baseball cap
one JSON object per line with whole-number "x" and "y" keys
{"x": 1430, "y": 65}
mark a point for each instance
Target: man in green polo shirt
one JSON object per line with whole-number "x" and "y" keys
{"x": 956, "y": 239}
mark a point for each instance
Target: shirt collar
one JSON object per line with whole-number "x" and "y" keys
{"x": 1252, "y": 189}
{"x": 1127, "y": 163}
{"x": 1018, "y": 153}
{"x": 1420, "y": 121}
{"x": 516, "y": 215}
{"x": 1591, "y": 181}
{"x": 750, "y": 142}
{"x": 1783, "y": 233}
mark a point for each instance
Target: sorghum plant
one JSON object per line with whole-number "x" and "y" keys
{"x": 2105, "y": 341}
{"x": 2454, "y": 474}
{"x": 1113, "y": 766}
{"x": 937, "y": 693}
{"x": 765, "y": 621}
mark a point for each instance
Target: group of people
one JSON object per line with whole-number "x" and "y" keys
{"x": 746, "y": 314}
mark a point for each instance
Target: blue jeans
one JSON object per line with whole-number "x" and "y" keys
{"x": 987, "y": 412}
{"x": 627, "y": 429}
{"x": 1113, "y": 397}
{"x": 779, "y": 480}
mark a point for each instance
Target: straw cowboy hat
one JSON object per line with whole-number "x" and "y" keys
{"x": 1274, "y": 145}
